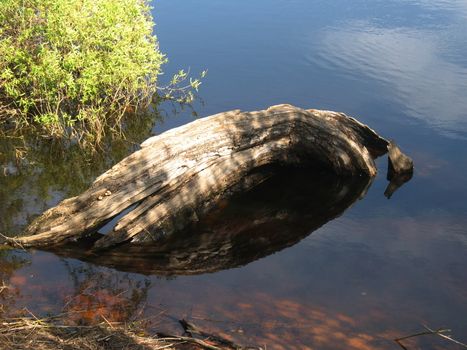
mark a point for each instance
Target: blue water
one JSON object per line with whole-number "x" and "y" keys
{"x": 382, "y": 269}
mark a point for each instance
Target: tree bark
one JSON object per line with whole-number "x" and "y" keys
{"x": 180, "y": 174}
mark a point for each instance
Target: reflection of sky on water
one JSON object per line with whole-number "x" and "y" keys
{"x": 457, "y": 7}
{"x": 407, "y": 57}
{"x": 416, "y": 65}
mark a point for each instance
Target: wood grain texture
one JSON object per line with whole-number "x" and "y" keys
{"x": 179, "y": 174}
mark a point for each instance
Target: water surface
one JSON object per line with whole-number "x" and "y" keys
{"x": 381, "y": 269}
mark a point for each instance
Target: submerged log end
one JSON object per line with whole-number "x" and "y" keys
{"x": 400, "y": 169}
{"x": 398, "y": 162}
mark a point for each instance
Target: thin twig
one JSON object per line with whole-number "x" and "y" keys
{"x": 191, "y": 329}
{"x": 11, "y": 241}
{"x": 166, "y": 346}
{"x": 190, "y": 340}
{"x": 107, "y": 321}
{"x": 3, "y": 287}
{"x": 430, "y": 332}
{"x": 439, "y": 332}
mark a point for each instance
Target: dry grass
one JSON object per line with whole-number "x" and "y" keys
{"x": 53, "y": 333}
{"x": 30, "y": 333}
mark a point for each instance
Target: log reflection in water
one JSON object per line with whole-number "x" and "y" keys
{"x": 277, "y": 214}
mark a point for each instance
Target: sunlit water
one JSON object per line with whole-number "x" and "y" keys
{"x": 382, "y": 269}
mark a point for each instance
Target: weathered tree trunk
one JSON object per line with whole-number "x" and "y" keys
{"x": 179, "y": 174}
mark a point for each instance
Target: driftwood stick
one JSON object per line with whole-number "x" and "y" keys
{"x": 179, "y": 338}
{"x": 193, "y": 331}
{"x": 428, "y": 331}
{"x": 178, "y": 175}
{"x": 444, "y": 336}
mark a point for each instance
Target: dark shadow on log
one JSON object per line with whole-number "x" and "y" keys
{"x": 276, "y": 214}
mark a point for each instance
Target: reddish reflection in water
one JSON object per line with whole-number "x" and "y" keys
{"x": 284, "y": 324}
{"x": 251, "y": 317}
{"x": 88, "y": 295}
{"x": 334, "y": 290}
{"x": 10, "y": 282}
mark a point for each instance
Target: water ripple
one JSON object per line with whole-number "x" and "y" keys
{"x": 417, "y": 68}
{"x": 457, "y": 6}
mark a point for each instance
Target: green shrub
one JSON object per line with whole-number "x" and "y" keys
{"x": 76, "y": 67}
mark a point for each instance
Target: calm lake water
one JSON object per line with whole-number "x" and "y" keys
{"x": 380, "y": 270}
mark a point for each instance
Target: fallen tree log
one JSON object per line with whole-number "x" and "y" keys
{"x": 180, "y": 174}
